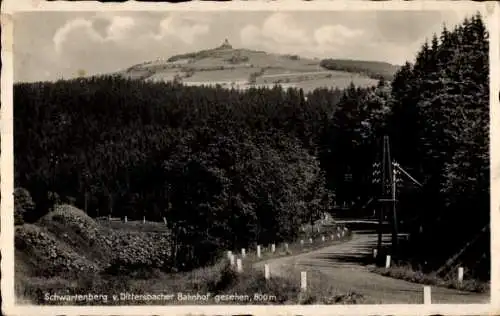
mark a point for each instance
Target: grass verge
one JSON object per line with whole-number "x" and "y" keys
{"x": 217, "y": 284}
{"x": 408, "y": 273}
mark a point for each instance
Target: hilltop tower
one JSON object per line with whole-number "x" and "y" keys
{"x": 226, "y": 45}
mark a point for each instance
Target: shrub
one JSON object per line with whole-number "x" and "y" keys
{"x": 134, "y": 252}
{"x": 51, "y": 256}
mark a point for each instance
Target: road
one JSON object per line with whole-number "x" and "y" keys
{"x": 341, "y": 266}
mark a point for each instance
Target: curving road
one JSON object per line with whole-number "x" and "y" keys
{"x": 341, "y": 264}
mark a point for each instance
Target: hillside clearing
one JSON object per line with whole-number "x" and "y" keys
{"x": 234, "y": 68}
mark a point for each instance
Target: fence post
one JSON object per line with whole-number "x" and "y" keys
{"x": 243, "y": 253}
{"x": 258, "y": 251}
{"x": 387, "y": 261}
{"x": 427, "y": 295}
{"x": 144, "y": 219}
{"x": 273, "y": 248}
{"x": 125, "y": 220}
{"x": 239, "y": 266}
{"x": 303, "y": 280}
{"x": 310, "y": 240}
{"x": 460, "y": 275}
{"x": 267, "y": 273}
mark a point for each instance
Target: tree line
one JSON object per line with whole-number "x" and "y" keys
{"x": 230, "y": 168}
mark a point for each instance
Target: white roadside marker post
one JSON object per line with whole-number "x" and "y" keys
{"x": 243, "y": 253}
{"x": 273, "y": 248}
{"x": 387, "y": 261}
{"x": 258, "y": 252}
{"x": 460, "y": 275}
{"x": 239, "y": 266}
{"x": 303, "y": 280}
{"x": 267, "y": 273}
{"x": 427, "y": 295}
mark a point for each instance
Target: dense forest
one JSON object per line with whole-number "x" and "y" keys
{"x": 232, "y": 168}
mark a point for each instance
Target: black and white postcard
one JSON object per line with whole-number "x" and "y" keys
{"x": 249, "y": 158}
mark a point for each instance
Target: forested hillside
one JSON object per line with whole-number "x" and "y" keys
{"x": 229, "y": 168}
{"x": 373, "y": 69}
{"x": 440, "y": 124}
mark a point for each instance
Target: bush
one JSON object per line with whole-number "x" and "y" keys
{"x": 139, "y": 251}
{"x": 50, "y": 256}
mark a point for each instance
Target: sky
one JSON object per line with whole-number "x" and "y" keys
{"x": 55, "y": 45}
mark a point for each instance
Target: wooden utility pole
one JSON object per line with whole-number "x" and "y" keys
{"x": 394, "y": 211}
{"x": 387, "y": 195}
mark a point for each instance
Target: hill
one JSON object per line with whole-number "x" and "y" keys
{"x": 243, "y": 68}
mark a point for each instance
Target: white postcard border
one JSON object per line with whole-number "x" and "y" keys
{"x": 7, "y": 228}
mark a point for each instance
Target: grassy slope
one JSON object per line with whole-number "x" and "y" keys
{"x": 369, "y": 68}
{"x": 404, "y": 271}
{"x": 407, "y": 273}
{"x": 234, "y": 68}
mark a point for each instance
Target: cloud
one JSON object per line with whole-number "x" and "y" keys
{"x": 335, "y": 35}
{"x": 184, "y": 29}
{"x": 81, "y": 32}
{"x": 126, "y": 32}
{"x": 77, "y": 27}
{"x": 281, "y": 33}
{"x": 119, "y": 28}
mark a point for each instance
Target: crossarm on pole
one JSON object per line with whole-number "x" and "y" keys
{"x": 408, "y": 175}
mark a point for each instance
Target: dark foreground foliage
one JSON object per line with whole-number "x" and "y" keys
{"x": 229, "y": 169}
